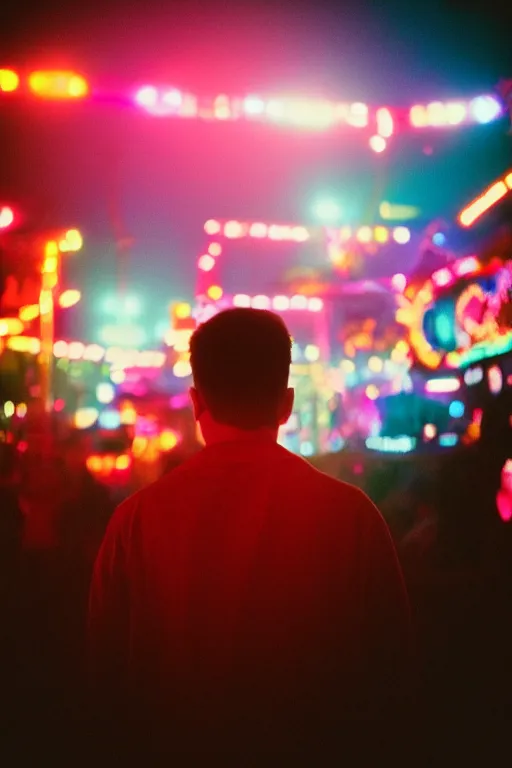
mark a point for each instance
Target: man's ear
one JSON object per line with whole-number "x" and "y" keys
{"x": 287, "y": 408}
{"x": 198, "y": 405}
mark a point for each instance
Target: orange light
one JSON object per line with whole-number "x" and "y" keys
{"x": 58, "y": 85}
{"x": 475, "y": 209}
{"x": 139, "y": 445}
{"x": 10, "y": 326}
{"x": 109, "y": 463}
{"x": 69, "y": 298}
{"x": 29, "y": 312}
{"x": 214, "y": 292}
{"x": 9, "y": 80}
{"x": 94, "y": 464}
{"x": 123, "y": 461}
{"x": 168, "y": 440}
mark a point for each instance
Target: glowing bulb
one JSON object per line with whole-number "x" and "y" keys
{"x": 401, "y": 235}
{"x": 206, "y": 262}
{"x": 105, "y": 392}
{"x": 214, "y": 292}
{"x": 372, "y": 392}
{"x": 378, "y": 144}
{"x": 215, "y": 249}
{"x": 9, "y": 80}
{"x": 168, "y": 440}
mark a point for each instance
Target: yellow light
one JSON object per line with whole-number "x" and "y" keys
{"x": 168, "y": 440}
{"x": 86, "y": 417}
{"x": 58, "y": 85}
{"x": 9, "y": 409}
{"x": 29, "y": 312}
{"x": 372, "y": 392}
{"x": 51, "y": 248}
{"x": 311, "y": 353}
{"x": 69, "y": 298}
{"x": 508, "y": 180}
{"x": 128, "y": 413}
{"x": 380, "y": 234}
{"x": 24, "y": 344}
{"x": 123, "y": 461}
{"x": 429, "y": 431}
{"x": 139, "y": 445}
{"x": 94, "y": 464}
{"x": 117, "y": 377}
{"x": 375, "y": 364}
{"x": 50, "y": 264}
{"x": 9, "y": 80}
{"x": 475, "y": 209}
{"x": 183, "y": 310}
{"x": 214, "y": 292}
{"x": 10, "y": 326}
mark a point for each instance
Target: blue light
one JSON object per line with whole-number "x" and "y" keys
{"x": 307, "y": 448}
{"x": 485, "y": 109}
{"x": 110, "y": 419}
{"x": 456, "y": 409}
{"x": 448, "y": 440}
{"x": 439, "y": 239}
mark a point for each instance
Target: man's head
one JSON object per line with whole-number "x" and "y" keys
{"x": 241, "y": 363}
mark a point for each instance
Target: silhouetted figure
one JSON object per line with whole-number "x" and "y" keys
{"x": 246, "y": 604}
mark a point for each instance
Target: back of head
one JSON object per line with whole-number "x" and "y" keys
{"x": 240, "y": 362}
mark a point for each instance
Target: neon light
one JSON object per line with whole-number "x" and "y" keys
{"x": 385, "y": 124}
{"x": 206, "y": 262}
{"x": 466, "y": 266}
{"x": 9, "y": 80}
{"x": 258, "y": 230}
{"x": 69, "y": 298}
{"x": 473, "y": 376}
{"x": 6, "y": 217}
{"x": 401, "y": 235}
{"x": 212, "y": 227}
{"x": 448, "y": 440}
{"x": 58, "y": 85}
{"x": 442, "y": 386}
{"x": 481, "y": 204}
{"x": 215, "y": 249}
{"x": 241, "y": 300}
{"x": 403, "y": 444}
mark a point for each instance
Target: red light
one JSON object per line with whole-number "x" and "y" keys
{"x": 9, "y": 80}
{"x": 6, "y": 217}
{"x": 59, "y": 405}
{"x": 58, "y": 85}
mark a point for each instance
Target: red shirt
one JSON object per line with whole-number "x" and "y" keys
{"x": 246, "y": 587}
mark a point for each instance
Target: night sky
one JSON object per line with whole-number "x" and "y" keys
{"x": 75, "y": 164}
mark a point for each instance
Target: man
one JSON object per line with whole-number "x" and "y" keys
{"x": 246, "y": 603}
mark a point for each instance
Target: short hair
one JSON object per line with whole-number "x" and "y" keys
{"x": 240, "y": 361}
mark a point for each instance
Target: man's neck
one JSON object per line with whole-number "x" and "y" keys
{"x": 214, "y": 432}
